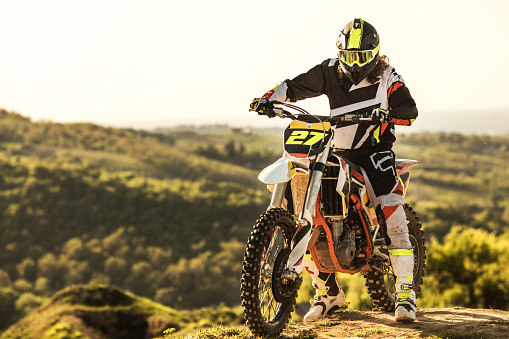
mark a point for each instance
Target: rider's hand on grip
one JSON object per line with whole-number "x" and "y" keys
{"x": 262, "y": 106}
{"x": 254, "y": 103}
{"x": 380, "y": 116}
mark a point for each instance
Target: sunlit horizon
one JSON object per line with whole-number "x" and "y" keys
{"x": 145, "y": 64}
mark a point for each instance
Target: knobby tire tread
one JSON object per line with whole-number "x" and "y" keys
{"x": 251, "y": 267}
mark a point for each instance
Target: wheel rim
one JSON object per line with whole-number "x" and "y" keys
{"x": 268, "y": 305}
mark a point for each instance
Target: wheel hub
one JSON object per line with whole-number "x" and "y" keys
{"x": 285, "y": 283}
{"x": 266, "y": 273}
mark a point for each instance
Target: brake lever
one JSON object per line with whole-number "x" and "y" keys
{"x": 279, "y": 112}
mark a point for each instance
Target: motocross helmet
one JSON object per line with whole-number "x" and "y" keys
{"x": 358, "y": 46}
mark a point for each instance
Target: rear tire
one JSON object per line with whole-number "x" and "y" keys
{"x": 271, "y": 236}
{"x": 381, "y": 285}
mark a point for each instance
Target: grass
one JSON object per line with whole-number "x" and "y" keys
{"x": 366, "y": 332}
{"x": 220, "y": 332}
{"x": 233, "y": 333}
{"x": 327, "y": 323}
{"x": 452, "y": 335}
{"x": 499, "y": 322}
{"x": 212, "y": 333}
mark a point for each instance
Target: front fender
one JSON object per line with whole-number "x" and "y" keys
{"x": 283, "y": 170}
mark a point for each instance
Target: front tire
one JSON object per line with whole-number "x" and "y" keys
{"x": 269, "y": 242}
{"x": 380, "y": 279}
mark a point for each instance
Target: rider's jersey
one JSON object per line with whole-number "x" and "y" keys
{"x": 389, "y": 92}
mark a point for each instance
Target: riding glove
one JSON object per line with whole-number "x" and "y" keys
{"x": 380, "y": 116}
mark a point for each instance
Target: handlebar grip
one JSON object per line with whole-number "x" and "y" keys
{"x": 356, "y": 118}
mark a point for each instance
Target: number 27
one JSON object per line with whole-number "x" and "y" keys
{"x": 298, "y": 138}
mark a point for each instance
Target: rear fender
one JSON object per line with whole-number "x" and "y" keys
{"x": 403, "y": 164}
{"x": 404, "y": 177}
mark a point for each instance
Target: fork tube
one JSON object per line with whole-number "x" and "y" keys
{"x": 316, "y": 180}
{"x": 277, "y": 195}
{"x": 305, "y": 223}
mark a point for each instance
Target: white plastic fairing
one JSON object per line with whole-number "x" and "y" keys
{"x": 282, "y": 170}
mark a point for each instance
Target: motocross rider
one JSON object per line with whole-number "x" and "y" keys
{"x": 359, "y": 80}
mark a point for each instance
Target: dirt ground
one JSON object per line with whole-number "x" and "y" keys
{"x": 452, "y": 323}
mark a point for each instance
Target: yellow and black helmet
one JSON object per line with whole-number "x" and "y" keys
{"x": 358, "y": 46}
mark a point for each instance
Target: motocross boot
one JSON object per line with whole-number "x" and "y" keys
{"x": 402, "y": 265}
{"x": 329, "y": 296}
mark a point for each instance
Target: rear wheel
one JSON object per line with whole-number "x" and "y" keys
{"x": 380, "y": 279}
{"x": 267, "y": 300}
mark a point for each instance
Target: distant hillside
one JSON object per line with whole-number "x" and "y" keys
{"x": 479, "y": 122}
{"x": 460, "y": 180}
{"x": 166, "y": 214}
{"x": 81, "y": 203}
{"x": 179, "y": 155}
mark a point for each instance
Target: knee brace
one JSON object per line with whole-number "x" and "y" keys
{"x": 393, "y": 210}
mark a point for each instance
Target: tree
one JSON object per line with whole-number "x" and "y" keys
{"x": 470, "y": 269}
{"x": 26, "y": 269}
{"x": 8, "y": 310}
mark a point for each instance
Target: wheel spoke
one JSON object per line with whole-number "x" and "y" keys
{"x": 274, "y": 247}
{"x": 268, "y": 306}
{"x": 265, "y": 292}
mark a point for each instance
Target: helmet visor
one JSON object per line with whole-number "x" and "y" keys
{"x": 361, "y": 58}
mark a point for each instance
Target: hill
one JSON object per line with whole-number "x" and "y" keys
{"x": 81, "y": 203}
{"x": 107, "y": 312}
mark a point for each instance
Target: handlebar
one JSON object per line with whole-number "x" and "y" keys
{"x": 354, "y": 117}
{"x": 272, "y": 111}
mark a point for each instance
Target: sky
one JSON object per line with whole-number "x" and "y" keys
{"x": 155, "y": 63}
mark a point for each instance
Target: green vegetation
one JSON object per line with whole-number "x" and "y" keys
{"x": 213, "y": 333}
{"x": 452, "y": 335}
{"x": 367, "y": 332}
{"x": 473, "y": 266}
{"x": 166, "y": 214}
{"x": 100, "y": 311}
{"x": 460, "y": 190}
{"x": 80, "y": 203}
{"x": 220, "y": 332}
{"x": 460, "y": 180}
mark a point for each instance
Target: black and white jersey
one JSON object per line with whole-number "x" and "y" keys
{"x": 389, "y": 92}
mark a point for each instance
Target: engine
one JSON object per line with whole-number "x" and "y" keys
{"x": 344, "y": 242}
{"x": 345, "y": 228}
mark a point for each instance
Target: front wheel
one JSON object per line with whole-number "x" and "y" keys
{"x": 267, "y": 301}
{"x": 380, "y": 279}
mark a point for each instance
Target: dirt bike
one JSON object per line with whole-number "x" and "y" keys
{"x": 319, "y": 204}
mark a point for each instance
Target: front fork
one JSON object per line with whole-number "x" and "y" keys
{"x": 305, "y": 223}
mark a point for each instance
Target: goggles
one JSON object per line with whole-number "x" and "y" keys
{"x": 361, "y": 58}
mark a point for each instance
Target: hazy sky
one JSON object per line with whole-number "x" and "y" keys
{"x": 134, "y": 62}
